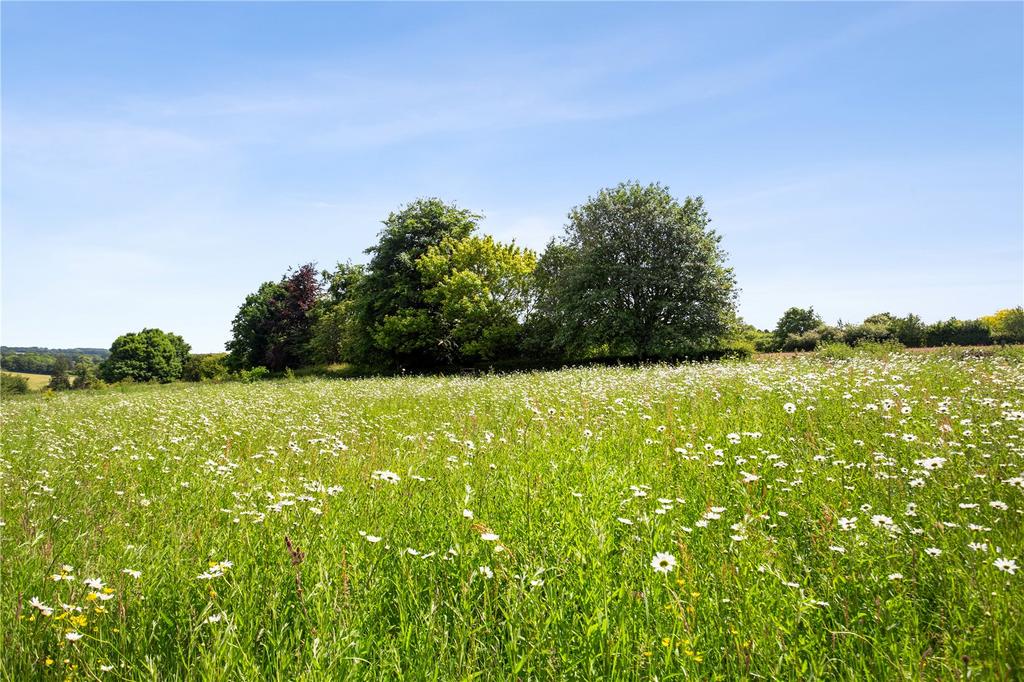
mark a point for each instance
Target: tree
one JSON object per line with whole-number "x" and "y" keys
{"x": 274, "y": 325}
{"x": 640, "y": 275}
{"x": 252, "y": 327}
{"x": 149, "y": 355}
{"x": 205, "y": 367}
{"x": 1006, "y": 325}
{"x": 86, "y": 375}
{"x": 954, "y": 332}
{"x": 60, "y": 379}
{"x": 334, "y": 332}
{"x": 479, "y": 290}
{"x": 909, "y": 330}
{"x": 394, "y": 326}
{"x": 796, "y": 321}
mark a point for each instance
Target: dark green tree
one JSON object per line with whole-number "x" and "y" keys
{"x": 149, "y": 355}
{"x": 394, "y": 325}
{"x": 638, "y": 274}
{"x": 60, "y": 380}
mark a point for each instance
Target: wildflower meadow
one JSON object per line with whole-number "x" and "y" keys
{"x": 796, "y": 518}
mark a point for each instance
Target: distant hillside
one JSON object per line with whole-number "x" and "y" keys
{"x": 39, "y": 360}
{"x": 101, "y": 353}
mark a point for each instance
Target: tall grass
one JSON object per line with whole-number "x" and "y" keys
{"x": 317, "y": 529}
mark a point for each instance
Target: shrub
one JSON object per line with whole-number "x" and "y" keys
{"x": 205, "y": 367}
{"x": 869, "y": 331}
{"x": 11, "y": 384}
{"x": 954, "y": 332}
{"x": 878, "y": 349}
{"x": 835, "y": 351}
{"x": 254, "y": 374}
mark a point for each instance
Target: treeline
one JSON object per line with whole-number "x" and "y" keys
{"x": 801, "y": 329}
{"x": 636, "y": 275}
{"x": 38, "y": 360}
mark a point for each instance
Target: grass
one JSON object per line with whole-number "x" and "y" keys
{"x": 35, "y": 381}
{"x": 745, "y": 473}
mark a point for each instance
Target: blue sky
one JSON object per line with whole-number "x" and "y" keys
{"x": 161, "y": 160}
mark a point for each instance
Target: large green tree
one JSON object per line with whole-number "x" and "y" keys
{"x": 637, "y": 273}
{"x": 480, "y": 291}
{"x": 394, "y": 325}
{"x": 149, "y": 355}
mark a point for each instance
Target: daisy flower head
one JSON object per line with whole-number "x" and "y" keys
{"x": 663, "y": 562}
{"x": 386, "y": 476}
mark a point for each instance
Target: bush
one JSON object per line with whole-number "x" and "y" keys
{"x": 867, "y": 332}
{"x": 835, "y": 351}
{"x": 255, "y": 374}
{"x": 878, "y": 349}
{"x": 11, "y": 384}
{"x": 738, "y": 349}
{"x": 205, "y": 367}
{"x": 808, "y": 341}
{"x": 954, "y": 332}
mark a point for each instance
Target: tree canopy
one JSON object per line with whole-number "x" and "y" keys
{"x": 274, "y": 326}
{"x": 639, "y": 274}
{"x": 149, "y": 355}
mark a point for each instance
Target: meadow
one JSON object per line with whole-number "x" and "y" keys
{"x": 36, "y": 382}
{"x": 798, "y": 518}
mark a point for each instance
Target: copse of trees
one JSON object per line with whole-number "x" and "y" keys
{"x": 637, "y": 275}
{"x": 274, "y": 326}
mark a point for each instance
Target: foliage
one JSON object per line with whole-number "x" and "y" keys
{"x": 149, "y": 355}
{"x": 395, "y": 325}
{"x": 809, "y": 340}
{"x": 253, "y": 374}
{"x": 796, "y": 322}
{"x": 205, "y": 367}
{"x": 32, "y": 363}
{"x": 86, "y": 374}
{"x": 835, "y": 350}
{"x": 876, "y": 330}
{"x": 878, "y": 349}
{"x": 748, "y": 335}
{"x": 909, "y": 330}
{"x": 39, "y": 360}
{"x": 479, "y": 291}
{"x": 335, "y": 332}
{"x": 954, "y": 332}
{"x": 314, "y": 529}
{"x": 274, "y": 326}
{"x": 639, "y": 275}
{"x": 12, "y": 384}
{"x": 1006, "y": 325}
{"x": 60, "y": 379}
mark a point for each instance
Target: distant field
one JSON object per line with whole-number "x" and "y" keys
{"x": 35, "y": 381}
{"x": 798, "y": 519}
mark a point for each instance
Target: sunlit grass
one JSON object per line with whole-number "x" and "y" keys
{"x": 740, "y": 472}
